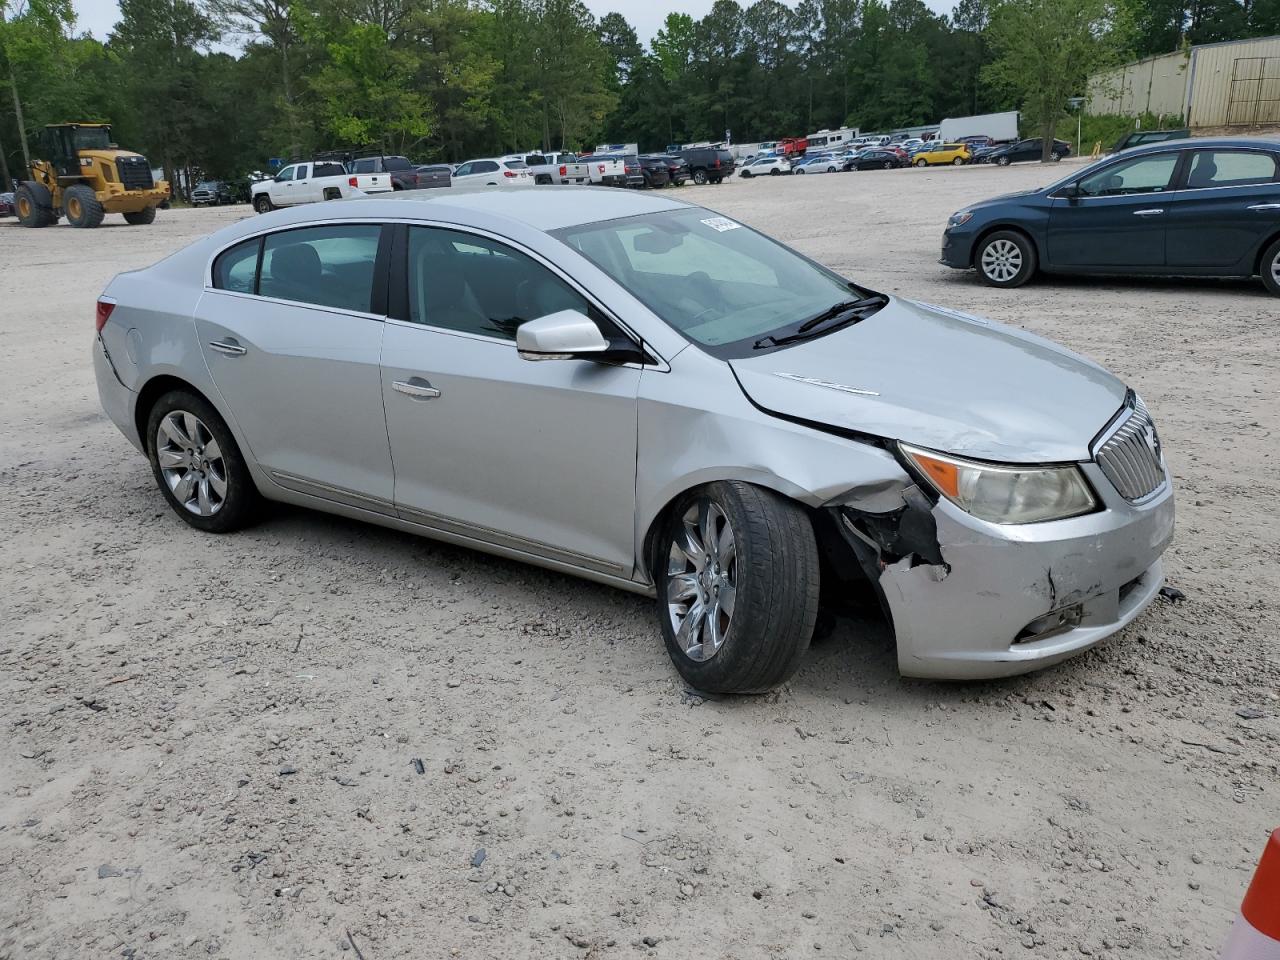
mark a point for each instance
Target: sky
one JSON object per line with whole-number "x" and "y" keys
{"x": 99, "y": 16}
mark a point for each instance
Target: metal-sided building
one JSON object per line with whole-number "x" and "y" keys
{"x": 1233, "y": 83}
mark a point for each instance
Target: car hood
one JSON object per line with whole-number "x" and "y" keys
{"x": 940, "y": 379}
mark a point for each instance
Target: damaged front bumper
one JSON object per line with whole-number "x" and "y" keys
{"x": 973, "y": 600}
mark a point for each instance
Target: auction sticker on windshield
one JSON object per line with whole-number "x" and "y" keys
{"x": 721, "y": 224}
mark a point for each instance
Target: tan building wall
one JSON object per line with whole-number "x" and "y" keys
{"x": 1155, "y": 85}
{"x": 1236, "y": 83}
{"x": 1233, "y": 83}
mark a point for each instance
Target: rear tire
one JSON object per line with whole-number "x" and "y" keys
{"x": 198, "y": 433}
{"x": 263, "y": 204}
{"x": 34, "y": 205}
{"x": 922, "y": 163}
{"x": 1006, "y": 258}
{"x": 82, "y": 206}
{"x": 1002, "y": 161}
{"x": 699, "y": 177}
{"x": 141, "y": 218}
{"x": 738, "y": 585}
{"x": 1271, "y": 268}
{"x": 774, "y": 172}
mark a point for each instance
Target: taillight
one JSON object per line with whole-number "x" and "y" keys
{"x": 352, "y": 182}
{"x": 508, "y": 173}
{"x": 717, "y": 163}
{"x": 564, "y": 171}
{"x": 104, "y": 314}
{"x": 601, "y": 168}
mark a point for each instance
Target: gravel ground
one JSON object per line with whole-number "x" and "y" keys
{"x": 209, "y": 742}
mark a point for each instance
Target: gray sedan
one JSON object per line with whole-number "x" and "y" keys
{"x": 638, "y": 391}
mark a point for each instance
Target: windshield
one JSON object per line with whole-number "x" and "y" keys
{"x": 93, "y": 138}
{"x": 207, "y": 185}
{"x": 718, "y": 283}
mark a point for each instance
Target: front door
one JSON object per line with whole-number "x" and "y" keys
{"x": 534, "y": 456}
{"x": 1118, "y": 219}
{"x": 1229, "y": 205}
{"x": 294, "y": 352}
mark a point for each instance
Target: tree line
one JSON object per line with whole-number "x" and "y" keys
{"x": 451, "y": 79}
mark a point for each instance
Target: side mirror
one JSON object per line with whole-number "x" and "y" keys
{"x": 1071, "y": 191}
{"x": 563, "y": 335}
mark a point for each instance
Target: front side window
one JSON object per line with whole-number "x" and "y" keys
{"x": 463, "y": 170}
{"x": 329, "y": 266}
{"x": 1230, "y": 168}
{"x": 285, "y": 174}
{"x": 237, "y": 269}
{"x": 461, "y": 281}
{"x": 712, "y": 279}
{"x": 1150, "y": 174}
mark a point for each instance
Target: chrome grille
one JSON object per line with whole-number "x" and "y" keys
{"x": 1130, "y": 455}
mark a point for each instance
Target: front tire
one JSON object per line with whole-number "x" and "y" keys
{"x": 82, "y": 206}
{"x": 198, "y": 466}
{"x": 141, "y": 218}
{"x": 958, "y": 162}
{"x": 263, "y": 204}
{"x": 738, "y": 586}
{"x": 1006, "y": 258}
{"x": 1271, "y": 268}
{"x": 34, "y": 205}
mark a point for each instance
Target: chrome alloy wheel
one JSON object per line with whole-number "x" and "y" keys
{"x": 702, "y": 581}
{"x": 191, "y": 463}
{"x": 1001, "y": 260}
{"x": 1275, "y": 269}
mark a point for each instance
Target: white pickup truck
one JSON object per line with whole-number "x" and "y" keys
{"x": 607, "y": 171}
{"x": 313, "y": 182}
{"x": 556, "y": 167}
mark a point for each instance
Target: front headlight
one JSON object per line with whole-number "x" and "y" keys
{"x": 1005, "y": 493}
{"x": 957, "y": 219}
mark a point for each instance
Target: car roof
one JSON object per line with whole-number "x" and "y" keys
{"x": 543, "y": 208}
{"x": 1185, "y": 143}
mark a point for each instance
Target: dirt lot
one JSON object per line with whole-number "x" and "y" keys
{"x": 208, "y": 742}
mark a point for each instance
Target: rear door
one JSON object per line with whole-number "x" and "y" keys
{"x": 294, "y": 349}
{"x": 1228, "y": 205}
{"x": 1119, "y": 219}
{"x": 538, "y": 457}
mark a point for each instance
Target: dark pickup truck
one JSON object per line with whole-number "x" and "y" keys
{"x": 404, "y": 175}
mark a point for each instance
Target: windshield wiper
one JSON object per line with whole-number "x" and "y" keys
{"x": 833, "y": 312}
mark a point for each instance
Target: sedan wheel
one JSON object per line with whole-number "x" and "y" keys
{"x": 197, "y": 464}
{"x": 1271, "y": 268}
{"x": 958, "y": 161}
{"x": 888, "y": 164}
{"x": 922, "y": 163}
{"x": 1006, "y": 259}
{"x": 191, "y": 463}
{"x": 738, "y": 585}
{"x": 1002, "y": 161}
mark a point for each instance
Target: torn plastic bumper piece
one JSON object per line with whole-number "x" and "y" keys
{"x": 970, "y": 599}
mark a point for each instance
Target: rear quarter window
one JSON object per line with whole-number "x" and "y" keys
{"x": 236, "y": 269}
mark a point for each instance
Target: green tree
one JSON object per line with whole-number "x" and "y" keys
{"x": 1046, "y": 50}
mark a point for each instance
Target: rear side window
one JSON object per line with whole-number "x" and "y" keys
{"x": 237, "y": 269}
{"x": 329, "y": 266}
{"x": 1230, "y": 168}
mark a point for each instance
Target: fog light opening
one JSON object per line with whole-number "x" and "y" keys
{"x": 1054, "y": 622}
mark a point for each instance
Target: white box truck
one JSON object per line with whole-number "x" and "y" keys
{"x": 997, "y": 126}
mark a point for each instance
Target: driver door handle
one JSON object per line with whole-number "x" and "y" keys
{"x": 417, "y": 388}
{"x": 1264, "y": 206}
{"x": 228, "y": 347}
{"x": 1152, "y": 212}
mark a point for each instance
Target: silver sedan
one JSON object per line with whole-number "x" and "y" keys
{"x": 638, "y": 391}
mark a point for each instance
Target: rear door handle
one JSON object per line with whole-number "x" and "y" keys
{"x": 417, "y": 388}
{"x": 1264, "y": 206}
{"x": 228, "y": 347}
{"x": 1153, "y": 212}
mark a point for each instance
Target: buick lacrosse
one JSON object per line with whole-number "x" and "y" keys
{"x": 647, "y": 394}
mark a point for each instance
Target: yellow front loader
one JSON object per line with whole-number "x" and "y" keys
{"x": 84, "y": 176}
